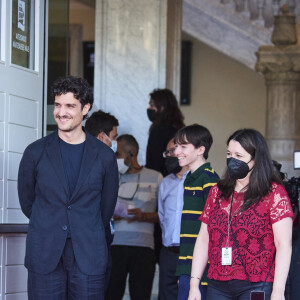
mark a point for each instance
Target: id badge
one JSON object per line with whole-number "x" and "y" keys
{"x": 257, "y": 295}
{"x": 226, "y": 256}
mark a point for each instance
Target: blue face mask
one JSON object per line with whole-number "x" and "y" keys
{"x": 237, "y": 169}
{"x": 114, "y": 146}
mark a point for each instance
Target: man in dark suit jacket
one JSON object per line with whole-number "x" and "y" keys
{"x": 68, "y": 185}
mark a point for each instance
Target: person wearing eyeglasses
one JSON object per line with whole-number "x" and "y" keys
{"x": 170, "y": 203}
{"x": 133, "y": 245}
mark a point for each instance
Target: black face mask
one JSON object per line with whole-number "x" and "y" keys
{"x": 151, "y": 114}
{"x": 237, "y": 169}
{"x": 172, "y": 165}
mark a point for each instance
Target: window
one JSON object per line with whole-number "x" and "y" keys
{"x": 22, "y": 28}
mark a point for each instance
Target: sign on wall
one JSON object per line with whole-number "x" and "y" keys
{"x": 20, "y": 51}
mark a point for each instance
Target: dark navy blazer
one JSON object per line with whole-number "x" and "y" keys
{"x": 52, "y": 211}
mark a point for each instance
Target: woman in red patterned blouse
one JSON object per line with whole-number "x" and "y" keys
{"x": 246, "y": 231}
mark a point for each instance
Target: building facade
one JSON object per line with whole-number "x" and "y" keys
{"x": 136, "y": 48}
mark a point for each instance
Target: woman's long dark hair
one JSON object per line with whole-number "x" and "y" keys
{"x": 168, "y": 112}
{"x": 263, "y": 172}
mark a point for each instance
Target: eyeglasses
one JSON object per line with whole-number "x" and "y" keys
{"x": 128, "y": 190}
{"x": 169, "y": 152}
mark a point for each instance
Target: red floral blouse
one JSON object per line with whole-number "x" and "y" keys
{"x": 252, "y": 229}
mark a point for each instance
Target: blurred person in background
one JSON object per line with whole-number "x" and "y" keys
{"x": 133, "y": 244}
{"x": 170, "y": 203}
{"x": 103, "y": 126}
{"x": 166, "y": 118}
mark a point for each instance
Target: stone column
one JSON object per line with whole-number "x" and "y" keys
{"x": 280, "y": 64}
{"x": 137, "y": 49}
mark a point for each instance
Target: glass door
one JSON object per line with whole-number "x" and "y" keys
{"x": 58, "y": 50}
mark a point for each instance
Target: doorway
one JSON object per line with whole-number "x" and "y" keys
{"x": 71, "y": 32}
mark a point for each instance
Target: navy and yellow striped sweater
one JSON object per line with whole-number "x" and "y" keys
{"x": 196, "y": 189}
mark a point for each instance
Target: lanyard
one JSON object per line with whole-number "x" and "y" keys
{"x": 132, "y": 195}
{"x": 229, "y": 221}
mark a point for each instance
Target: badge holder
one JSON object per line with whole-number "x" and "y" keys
{"x": 226, "y": 256}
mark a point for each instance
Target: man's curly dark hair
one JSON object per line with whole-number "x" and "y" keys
{"x": 76, "y": 85}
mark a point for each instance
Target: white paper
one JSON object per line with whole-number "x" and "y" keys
{"x": 121, "y": 209}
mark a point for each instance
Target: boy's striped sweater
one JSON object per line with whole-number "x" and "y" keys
{"x": 196, "y": 189}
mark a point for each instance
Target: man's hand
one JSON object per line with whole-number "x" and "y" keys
{"x": 136, "y": 213}
{"x": 139, "y": 216}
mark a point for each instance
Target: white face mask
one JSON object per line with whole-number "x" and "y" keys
{"x": 114, "y": 146}
{"x": 121, "y": 166}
